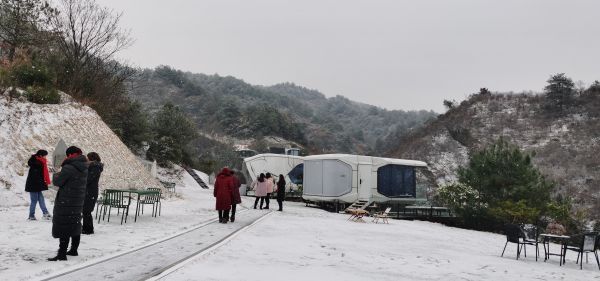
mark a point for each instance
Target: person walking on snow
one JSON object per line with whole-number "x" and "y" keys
{"x": 235, "y": 195}
{"x": 71, "y": 182}
{"x": 222, "y": 193}
{"x": 280, "y": 192}
{"x": 260, "y": 190}
{"x": 38, "y": 179}
{"x": 95, "y": 168}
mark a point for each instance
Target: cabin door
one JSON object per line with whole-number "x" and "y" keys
{"x": 364, "y": 182}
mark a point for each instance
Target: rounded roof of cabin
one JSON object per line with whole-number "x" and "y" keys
{"x": 366, "y": 159}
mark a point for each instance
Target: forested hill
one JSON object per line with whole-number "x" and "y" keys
{"x": 227, "y": 106}
{"x": 564, "y": 137}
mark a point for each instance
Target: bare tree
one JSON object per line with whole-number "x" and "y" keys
{"x": 90, "y": 38}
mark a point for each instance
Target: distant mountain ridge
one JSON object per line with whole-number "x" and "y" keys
{"x": 227, "y": 106}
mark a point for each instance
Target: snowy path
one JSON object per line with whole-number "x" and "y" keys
{"x": 145, "y": 262}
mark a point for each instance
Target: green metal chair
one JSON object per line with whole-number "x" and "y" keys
{"x": 100, "y": 201}
{"x": 115, "y": 199}
{"x": 153, "y": 199}
{"x": 170, "y": 186}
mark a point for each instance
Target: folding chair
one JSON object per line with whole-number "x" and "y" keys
{"x": 382, "y": 215}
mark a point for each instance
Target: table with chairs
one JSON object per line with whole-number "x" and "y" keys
{"x": 120, "y": 199}
{"x": 527, "y": 234}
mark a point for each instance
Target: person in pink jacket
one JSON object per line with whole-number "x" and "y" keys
{"x": 270, "y": 188}
{"x": 260, "y": 190}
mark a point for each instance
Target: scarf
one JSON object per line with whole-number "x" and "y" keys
{"x": 44, "y": 162}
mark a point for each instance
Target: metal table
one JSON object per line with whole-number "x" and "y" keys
{"x": 562, "y": 239}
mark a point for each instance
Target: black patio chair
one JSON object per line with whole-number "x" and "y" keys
{"x": 515, "y": 234}
{"x": 584, "y": 243}
{"x": 530, "y": 236}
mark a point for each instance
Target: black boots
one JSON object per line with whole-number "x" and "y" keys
{"x": 232, "y": 218}
{"x": 62, "y": 248}
{"x": 58, "y": 258}
{"x": 61, "y": 256}
{"x": 223, "y": 216}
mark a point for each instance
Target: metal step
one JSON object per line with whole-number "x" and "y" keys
{"x": 359, "y": 204}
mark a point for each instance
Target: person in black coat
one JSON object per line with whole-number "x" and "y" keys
{"x": 38, "y": 180}
{"x": 95, "y": 168}
{"x": 280, "y": 192}
{"x": 71, "y": 182}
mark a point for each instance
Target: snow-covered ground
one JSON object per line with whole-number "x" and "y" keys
{"x": 25, "y": 245}
{"x": 300, "y": 243}
{"x": 310, "y": 244}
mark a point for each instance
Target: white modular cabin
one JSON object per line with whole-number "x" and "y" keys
{"x": 276, "y": 164}
{"x": 348, "y": 178}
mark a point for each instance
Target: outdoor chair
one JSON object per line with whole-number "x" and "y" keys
{"x": 356, "y": 215}
{"x": 115, "y": 199}
{"x": 169, "y": 186}
{"x": 584, "y": 243}
{"x": 514, "y": 234}
{"x": 100, "y": 201}
{"x": 152, "y": 199}
{"x": 530, "y": 237}
{"x": 382, "y": 215}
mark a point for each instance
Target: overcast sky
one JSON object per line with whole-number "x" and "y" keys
{"x": 393, "y": 54}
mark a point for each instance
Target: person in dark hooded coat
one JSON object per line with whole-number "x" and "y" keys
{"x": 95, "y": 168}
{"x": 280, "y": 192}
{"x": 38, "y": 179}
{"x": 71, "y": 182}
{"x": 235, "y": 195}
{"x": 222, "y": 192}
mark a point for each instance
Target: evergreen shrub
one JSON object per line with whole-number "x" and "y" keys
{"x": 42, "y": 95}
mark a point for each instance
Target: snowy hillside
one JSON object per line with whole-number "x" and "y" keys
{"x": 565, "y": 146}
{"x": 26, "y": 127}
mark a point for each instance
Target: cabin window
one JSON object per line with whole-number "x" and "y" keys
{"x": 296, "y": 175}
{"x": 396, "y": 181}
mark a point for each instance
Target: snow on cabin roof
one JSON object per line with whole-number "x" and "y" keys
{"x": 360, "y": 158}
{"x": 258, "y": 156}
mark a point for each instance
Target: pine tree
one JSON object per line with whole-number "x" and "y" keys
{"x": 503, "y": 172}
{"x": 559, "y": 91}
{"x": 21, "y": 23}
{"x": 509, "y": 188}
{"x": 173, "y": 131}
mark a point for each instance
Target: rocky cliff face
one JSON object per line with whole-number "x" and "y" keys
{"x": 566, "y": 144}
{"x": 26, "y": 127}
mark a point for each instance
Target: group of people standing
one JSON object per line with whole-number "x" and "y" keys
{"x": 264, "y": 186}
{"x": 77, "y": 183}
{"x": 227, "y": 194}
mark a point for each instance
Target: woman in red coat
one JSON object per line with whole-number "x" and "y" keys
{"x": 222, "y": 192}
{"x": 235, "y": 195}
